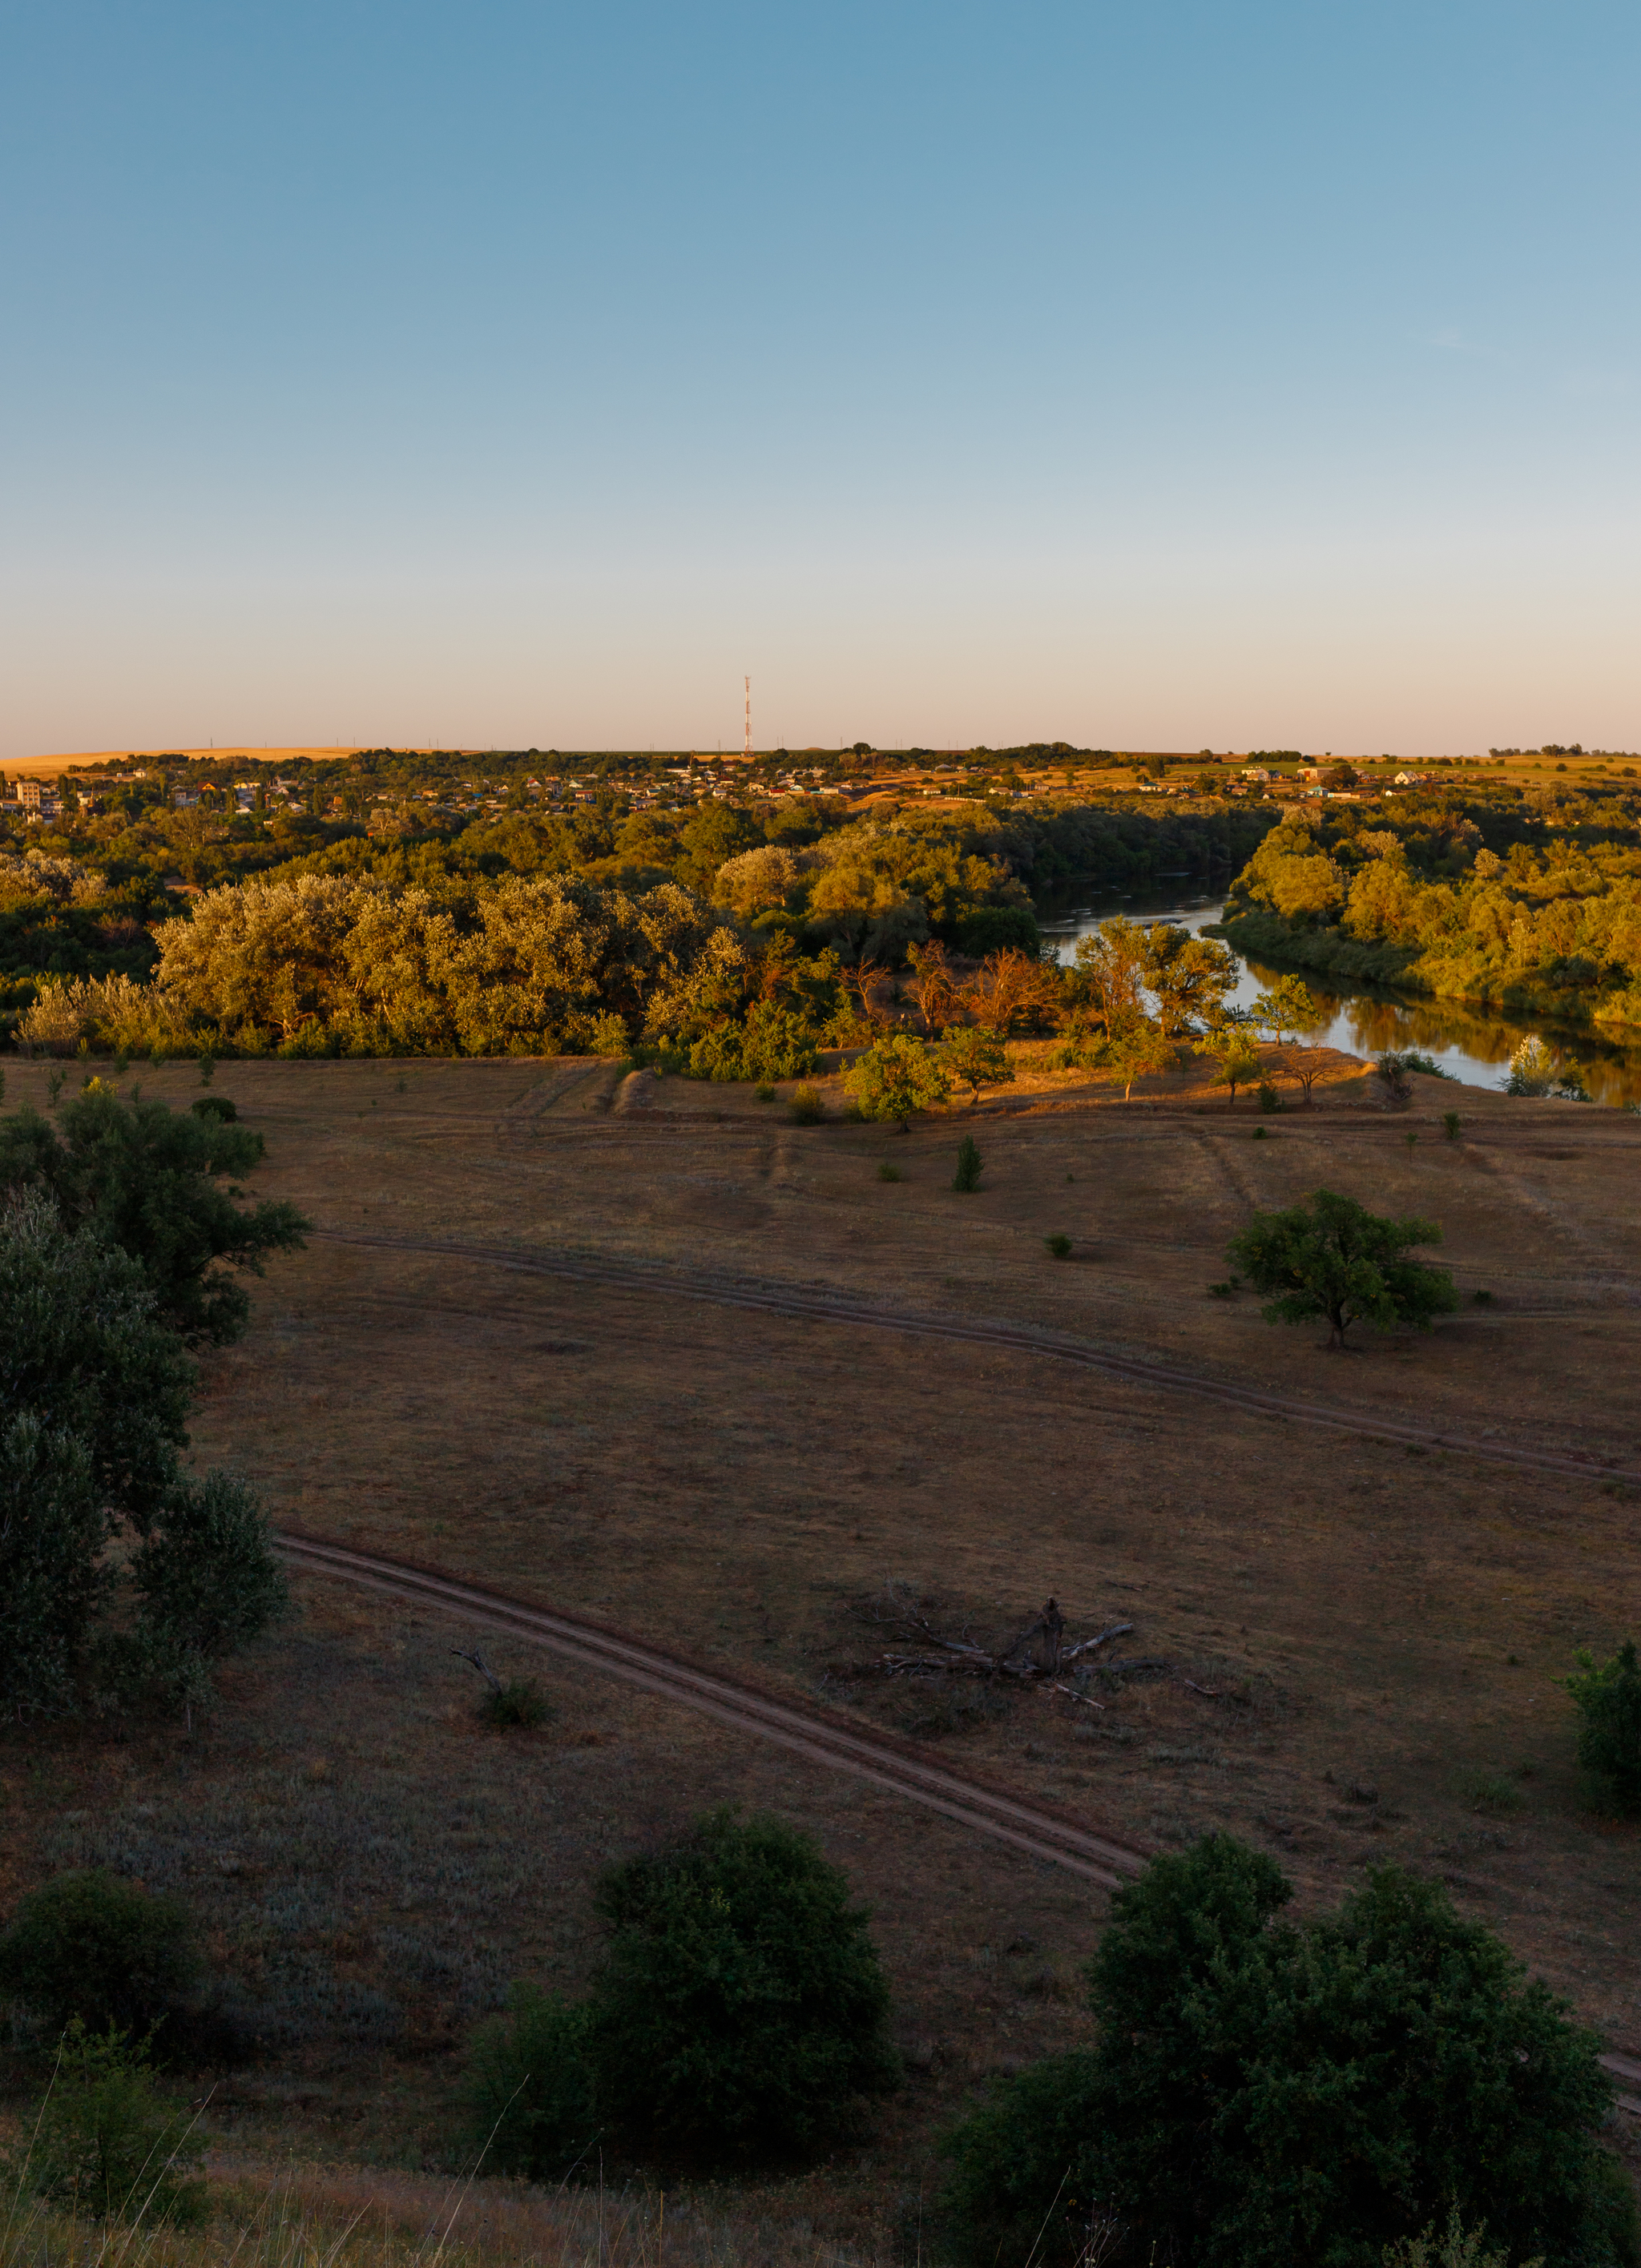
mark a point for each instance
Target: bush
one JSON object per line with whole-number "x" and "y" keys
{"x": 216, "y": 1106}
{"x": 1060, "y": 1247}
{"x": 806, "y": 1108}
{"x": 92, "y": 1949}
{"x": 1262, "y": 2095}
{"x": 896, "y": 1076}
{"x": 529, "y": 2089}
{"x": 967, "y": 1178}
{"x": 888, "y": 1172}
{"x": 520, "y": 1701}
{"x": 107, "y": 2142}
{"x": 1608, "y": 1702}
{"x": 740, "y": 2012}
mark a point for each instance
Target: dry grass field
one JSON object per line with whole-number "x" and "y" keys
{"x": 1379, "y": 1630}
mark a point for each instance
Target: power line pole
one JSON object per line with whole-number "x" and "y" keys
{"x": 749, "y": 719}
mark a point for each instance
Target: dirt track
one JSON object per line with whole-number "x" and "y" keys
{"x": 791, "y": 1300}
{"x": 811, "y": 1733}
{"x": 984, "y": 1810}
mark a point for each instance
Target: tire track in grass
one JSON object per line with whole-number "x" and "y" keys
{"x": 1021, "y": 1338}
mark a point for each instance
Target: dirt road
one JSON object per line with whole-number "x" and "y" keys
{"x": 836, "y": 1306}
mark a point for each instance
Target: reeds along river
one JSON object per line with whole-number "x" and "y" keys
{"x": 1472, "y": 1044}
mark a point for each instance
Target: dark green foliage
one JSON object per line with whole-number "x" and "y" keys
{"x": 216, "y": 1106}
{"x": 529, "y": 2090}
{"x": 107, "y": 2142}
{"x": 1607, "y": 1698}
{"x": 83, "y": 1350}
{"x": 52, "y": 1532}
{"x": 1452, "y": 1124}
{"x": 1059, "y": 1246}
{"x": 773, "y": 1043}
{"x": 739, "y": 2012}
{"x": 207, "y": 1581}
{"x": 1262, "y": 2095}
{"x": 520, "y": 1701}
{"x": 888, "y": 1172}
{"x": 92, "y": 1948}
{"x": 98, "y": 1389}
{"x": 153, "y": 1180}
{"x": 967, "y": 1177}
{"x": 1343, "y": 1265}
{"x": 996, "y": 929}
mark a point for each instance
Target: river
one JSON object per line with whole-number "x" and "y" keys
{"x": 1472, "y": 1045}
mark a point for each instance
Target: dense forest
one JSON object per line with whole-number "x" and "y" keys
{"x": 516, "y": 922}
{"x": 1524, "y": 898}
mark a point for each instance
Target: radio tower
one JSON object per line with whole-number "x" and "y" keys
{"x": 749, "y": 720}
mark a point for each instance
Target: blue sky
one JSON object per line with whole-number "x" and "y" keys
{"x": 1171, "y": 376}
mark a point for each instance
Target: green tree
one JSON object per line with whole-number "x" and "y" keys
{"x": 1135, "y": 1051}
{"x": 1607, "y": 1698}
{"x": 1262, "y": 2093}
{"x": 89, "y": 1946}
{"x": 1287, "y": 1005}
{"x": 52, "y": 1529}
{"x": 975, "y": 1057}
{"x": 83, "y": 1351}
{"x": 740, "y": 2011}
{"x": 1110, "y": 972}
{"x": 970, "y": 1165}
{"x": 896, "y": 1076}
{"x": 158, "y": 1183}
{"x": 1343, "y": 1265}
{"x": 207, "y": 1582}
{"x": 1234, "y": 1055}
{"x": 1190, "y": 976}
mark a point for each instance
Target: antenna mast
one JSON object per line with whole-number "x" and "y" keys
{"x": 749, "y": 719}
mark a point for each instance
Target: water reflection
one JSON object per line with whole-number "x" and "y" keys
{"x": 1473, "y": 1045}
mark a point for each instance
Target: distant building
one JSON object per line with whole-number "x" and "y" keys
{"x": 1255, "y": 772}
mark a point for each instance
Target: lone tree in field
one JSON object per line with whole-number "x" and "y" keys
{"x": 1337, "y": 1261}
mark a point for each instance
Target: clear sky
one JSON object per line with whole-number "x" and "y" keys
{"x": 1151, "y": 375}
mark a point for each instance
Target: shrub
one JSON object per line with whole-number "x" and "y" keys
{"x": 888, "y": 1172}
{"x": 896, "y": 1076}
{"x": 806, "y": 1108}
{"x": 216, "y": 1106}
{"x": 1451, "y": 1125}
{"x": 1060, "y": 1247}
{"x": 90, "y": 1947}
{"x": 1262, "y": 2094}
{"x": 967, "y": 1177}
{"x": 107, "y": 2142}
{"x": 1267, "y": 1096}
{"x": 1608, "y": 1702}
{"x": 740, "y": 2012}
{"x": 520, "y": 1701}
{"x": 528, "y": 2092}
